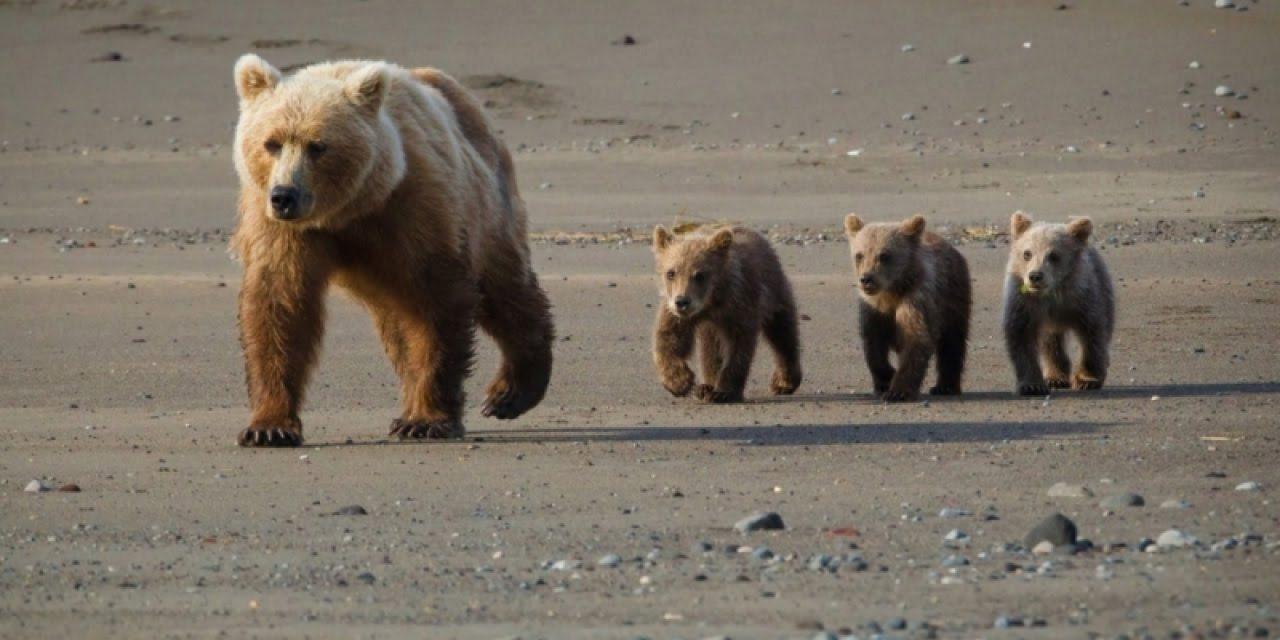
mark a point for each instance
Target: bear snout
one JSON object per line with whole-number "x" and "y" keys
{"x": 285, "y": 202}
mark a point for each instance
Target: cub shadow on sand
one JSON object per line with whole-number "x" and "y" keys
{"x": 1207, "y": 390}
{"x": 812, "y": 434}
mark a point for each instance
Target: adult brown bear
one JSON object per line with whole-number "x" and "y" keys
{"x": 390, "y": 183}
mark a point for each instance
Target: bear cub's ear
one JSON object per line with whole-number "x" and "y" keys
{"x": 1080, "y": 228}
{"x": 254, "y": 76}
{"x": 913, "y": 226}
{"x": 367, "y": 86}
{"x": 1019, "y": 224}
{"x": 852, "y": 225}
{"x": 722, "y": 240}
{"x": 661, "y": 238}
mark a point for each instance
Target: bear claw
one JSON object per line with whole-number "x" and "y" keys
{"x": 1057, "y": 383}
{"x": 1033, "y": 389}
{"x": 707, "y": 393}
{"x": 264, "y": 436}
{"x": 783, "y": 385}
{"x": 508, "y": 404}
{"x": 1085, "y": 384}
{"x": 427, "y": 430}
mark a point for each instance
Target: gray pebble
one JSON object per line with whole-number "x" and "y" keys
{"x": 1057, "y": 529}
{"x": 760, "y": 521}
{"x": 611, "y": 560}
{"x": 958, "y": 59}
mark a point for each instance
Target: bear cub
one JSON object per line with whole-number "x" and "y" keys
{"x": 914, "y": 300}
{"x": 721, "y": 288}
{"x": 1057, "y": 283}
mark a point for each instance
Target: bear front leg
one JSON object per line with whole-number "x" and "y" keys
{"x": 440, "y": 341}
{"x": 1094, "y": 359}
{"x": 672, "y": 346}
{"x": 1057, "y": 364}
{"x": 877, "y": 331}
{"x": 281, "y": 320}
{"x": 916, "y": 347}
{"x": 1021, "y": 338}
{"x": 739, "y": 349}
{"x": 710, "y": 351}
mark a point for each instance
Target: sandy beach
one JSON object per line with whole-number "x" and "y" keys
{"x": 609, "y": 510}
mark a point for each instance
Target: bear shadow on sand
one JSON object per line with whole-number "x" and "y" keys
{"x": 1206, "y": 390}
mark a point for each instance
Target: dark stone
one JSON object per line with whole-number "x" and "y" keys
{"x": 1057, "y": 529}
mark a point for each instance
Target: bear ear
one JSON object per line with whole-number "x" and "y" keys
{"x": 254, "y": 76}
{"x": 367, "y": 86}
{"x": 1019, "y": 224}
{"x": 1080, "y": 228}
{"x": 722, "y": 240}
{"x": 661, "y": 238}
{"x": 913, "y": 226}
{"x": 852, "y": 225}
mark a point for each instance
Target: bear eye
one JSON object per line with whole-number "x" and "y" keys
{"x": 857, "y": 257}
{"x": 316, "y": 148}
{"x": 885, "y": 258}
{"x": 671, "y": 275}
{"x": 272, "y": 146}
{"x": 1026, "y": 255}
{"x": 699, "y": 276}
{"x": 1052, "y": 258}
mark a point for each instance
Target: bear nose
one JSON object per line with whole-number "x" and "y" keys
{"x": 284, "y": 201}
{"x": 682, "y": 303}
{"x": 1035, "y": 277}
{"x": 866, "y": 279}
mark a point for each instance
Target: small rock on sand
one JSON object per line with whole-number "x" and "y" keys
{"x": 958, "y": 59}
{"x": 1175, "y": 539}
{"x": 1223, "y": 91}
{"x": 1174, "y": 503}
{"x": 760, "y": 521}
{"x": 1057, "y": 529}
{"x": 70, "y": 487}
{"x": 1064, "y": 490}
{"x": 1251, "y": 485}
{"x": 1122, "y": 500}
{"x": 351, "y": 510}
{"x": 37, "y": 486}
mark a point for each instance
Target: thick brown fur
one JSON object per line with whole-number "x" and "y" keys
{"x": 721, "y": 288}
{"x": 407, "y": 199}
{"x": 1056, "y": 284}
{"x": 914, "y": 300}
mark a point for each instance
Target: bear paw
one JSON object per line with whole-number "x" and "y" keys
{"x": 784, "y": 384}
{"x": 679, "y": 383}
{"x": 427, "y": 429}
{"x": 1033, "y": 389}
{"x": 939, "y": 390}
{"x": 1082, "y": 383}
{"x": 898, "y": 395}
{"x": 1055, "y": 382}
{"x": 270, "y": 436}
{"x": 708, "y": 393}
{"x": 508, "y": 402}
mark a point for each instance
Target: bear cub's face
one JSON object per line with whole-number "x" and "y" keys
{"x": 306, "y": 142}
{"x": 690, "y": 268}
{"x": 1043, "y": 255}
{"x": 884, "y": 254}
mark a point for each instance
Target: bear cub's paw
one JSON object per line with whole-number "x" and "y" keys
{"x": 1033, "y": 389}
{"x": 708, "y": 393}
{"x": 1057, "y": 383}
{"x": 271, "y": 436}
{"x": 427, "y": 429}
{"x": 1083, "y": 383}
{"x": 939, "y": 390}
{"x": 679, "y": 382}
{"x": 898, "y": 395}
{"x": 783, "y": 384}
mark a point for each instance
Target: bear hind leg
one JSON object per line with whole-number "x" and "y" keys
{"x": 950, "y": 362}
{"x": 782, "y": 333}
{"x": 519, "y": 319}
